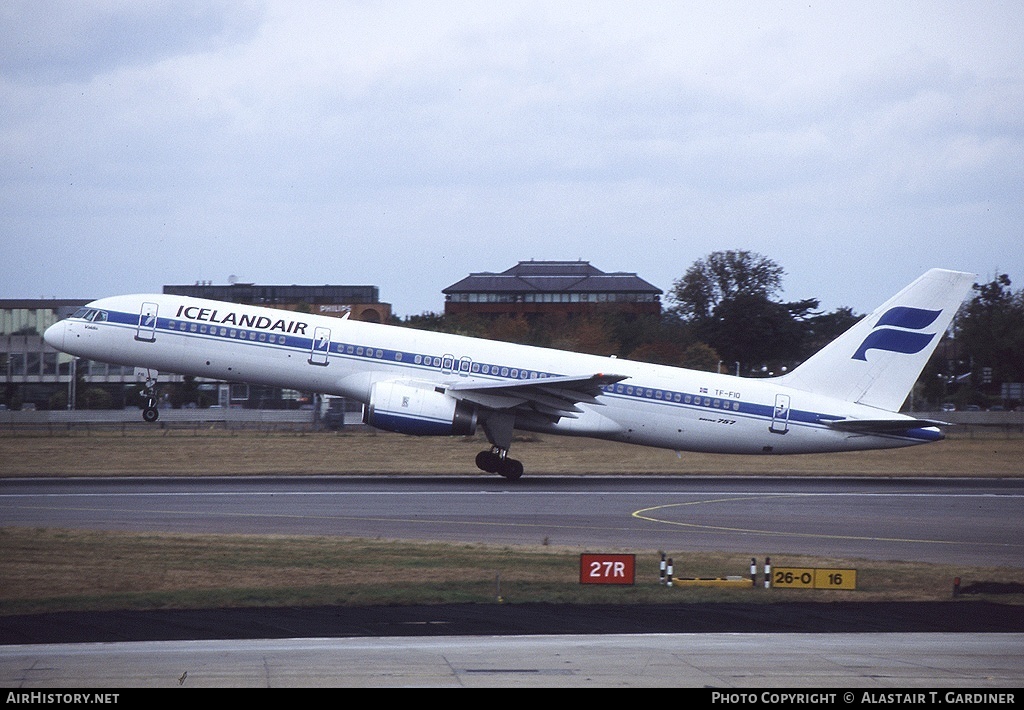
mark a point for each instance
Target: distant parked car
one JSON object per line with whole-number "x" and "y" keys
{"x": 949, "y": 407}
{"x": 973, "y": 408}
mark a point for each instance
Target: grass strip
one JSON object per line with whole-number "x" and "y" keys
{"x": 48, "y": 570}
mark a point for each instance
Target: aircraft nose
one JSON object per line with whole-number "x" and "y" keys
{"x": 54, "y": 335}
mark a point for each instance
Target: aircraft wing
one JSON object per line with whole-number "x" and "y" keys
{"x": 550, "y": 396}
{"x": 882, "y": 426}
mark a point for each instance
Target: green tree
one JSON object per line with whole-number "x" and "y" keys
{"x": 585, "y": 335}
{"x": 723, "y": 276}
{"x": 509, "y": 329}
{"x": 660, "y": 352}
{"x": 700, "y": 357}
{"x": 752, "y": 329}
{"x": 95, "y": 398}
{"x": 650, "y": 338}
{"x": 729, "y": 300}
{"x": 989, "y": 331}
{"x": 821, "y": 329}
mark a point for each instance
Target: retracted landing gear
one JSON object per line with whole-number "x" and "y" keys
{"x": 496, "y": 461}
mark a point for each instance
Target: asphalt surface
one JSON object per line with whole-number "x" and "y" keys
{"x": 962, "y": 522}
{"x": 962, "y": 615}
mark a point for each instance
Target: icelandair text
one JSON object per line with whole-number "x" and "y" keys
{"x": 212, "y": 315}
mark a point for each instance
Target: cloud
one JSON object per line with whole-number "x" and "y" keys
{"x": 46, "y": 41}
{"x": 407, "y": 144}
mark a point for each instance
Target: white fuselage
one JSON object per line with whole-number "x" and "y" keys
{"x": 654, "y": 405}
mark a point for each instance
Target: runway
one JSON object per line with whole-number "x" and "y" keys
{"x": 977, "y": 522}
{"x": 969, "y": 521}
{"x": 868, "y": 662}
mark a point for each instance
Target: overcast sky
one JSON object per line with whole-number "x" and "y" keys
{"x": 407, "y": 144}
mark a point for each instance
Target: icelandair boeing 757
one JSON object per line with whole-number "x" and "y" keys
{"x": 844, "y": 398}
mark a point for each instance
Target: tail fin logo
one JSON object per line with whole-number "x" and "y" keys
{"x": 899, "y": 341}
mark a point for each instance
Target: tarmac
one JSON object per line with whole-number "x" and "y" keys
{"x": 832, "y": 648}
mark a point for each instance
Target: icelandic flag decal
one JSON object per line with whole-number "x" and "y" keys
{"x": 899, "y": 341}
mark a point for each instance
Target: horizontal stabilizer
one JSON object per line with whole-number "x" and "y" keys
{"x": 883, "y": 426}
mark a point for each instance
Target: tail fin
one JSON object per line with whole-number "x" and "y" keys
{"x": 878, "y": 360}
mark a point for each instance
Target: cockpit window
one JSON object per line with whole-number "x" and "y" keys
{"x": 90, "y": 314}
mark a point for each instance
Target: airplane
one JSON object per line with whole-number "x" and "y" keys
{"x": 846, "y": 397}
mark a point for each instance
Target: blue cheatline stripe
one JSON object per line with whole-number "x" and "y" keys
{"x": 923, "y": 434}
{"x": 411, "y": 425}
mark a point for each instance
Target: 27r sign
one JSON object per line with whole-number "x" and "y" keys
{"x": 607, "y": 569}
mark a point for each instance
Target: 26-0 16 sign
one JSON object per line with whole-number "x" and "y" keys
{"x": 607, "y": 569}
{"x": 812, "y": 578}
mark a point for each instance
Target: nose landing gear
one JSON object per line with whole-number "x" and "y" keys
{"x": 150, "y": 413}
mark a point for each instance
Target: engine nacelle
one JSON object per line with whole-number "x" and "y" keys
{"x": 423, "y": 411}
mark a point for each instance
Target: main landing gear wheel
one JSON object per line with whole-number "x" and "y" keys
{"x": 150, "y": 414}
{"x": 494, "y": 462}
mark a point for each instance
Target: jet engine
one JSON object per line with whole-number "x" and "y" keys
{"x": 421, "y": 410}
